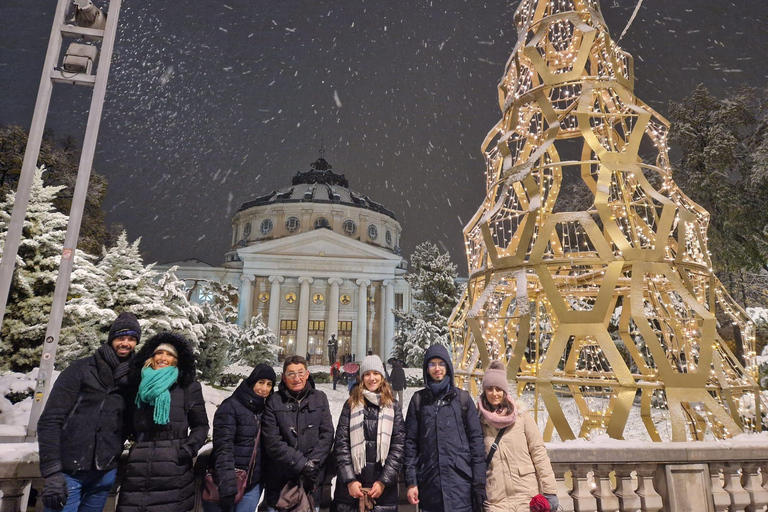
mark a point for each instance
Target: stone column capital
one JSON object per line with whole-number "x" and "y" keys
{"x": 335, "y": 281}
{"x": 388, "y": 282}
{"x": 306, "y": 279}
{"x": 247, "y": 277}
{"x": 363, "y": 282}
{"x": 279, "y": 279}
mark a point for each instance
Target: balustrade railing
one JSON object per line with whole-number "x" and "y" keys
{"x": 591, "y": 476}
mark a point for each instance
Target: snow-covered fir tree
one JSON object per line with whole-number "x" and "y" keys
{"x": 185, "y": 314}
{"x": 34, "y": 281}
{"x": 433, "y": 281}
{"x": 219, "y": 317}
{"x": 256, "y": 344}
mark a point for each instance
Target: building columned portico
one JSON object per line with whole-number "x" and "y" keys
{"x": 316, "y": 259}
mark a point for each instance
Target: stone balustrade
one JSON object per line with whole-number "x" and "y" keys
{"x": 596, "y": 476}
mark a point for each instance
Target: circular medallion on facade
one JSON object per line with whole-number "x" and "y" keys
{"x": 292, "y": 224}
{"x": 266, "y": 226}
{"x": 373, "y": 233}
{"x": 290, "y": 297}
{"x": 264, "y": 297}
{"x": 350, "y": 228}
{"x": 247, "y": 230}
{"x": 318, "y": 298}
{"x": 345, "y": 299}
{"x": 322, "y": 222}
{"x": 388, "y": 237}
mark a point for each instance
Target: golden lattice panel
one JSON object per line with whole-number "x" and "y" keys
{"x": 552, "y": 292}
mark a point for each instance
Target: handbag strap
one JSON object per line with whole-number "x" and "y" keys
{"x": 494, "y": 446}
{"x": 252, "y": 463}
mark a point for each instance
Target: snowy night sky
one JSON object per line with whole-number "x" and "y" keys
{"x": 210, "y": 104}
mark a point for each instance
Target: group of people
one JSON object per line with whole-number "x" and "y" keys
{"x": 454, "y": 454}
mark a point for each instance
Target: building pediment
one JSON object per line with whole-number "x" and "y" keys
{"x": 322, "y": 243}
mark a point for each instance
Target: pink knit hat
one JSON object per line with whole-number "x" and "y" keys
{"x": 496, "y": 375}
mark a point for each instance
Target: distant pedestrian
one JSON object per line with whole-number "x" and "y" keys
{"x": 444, "y": 453}
{"x": 170, "y": 425}
{"x": 335, "y": 373}
{"x": 82, "y": 431}
{"x": 519, "y": 466}
{"x": 397, "y": 379}
{"x": 370, "y": 441}
{"x": 351, "y": 380}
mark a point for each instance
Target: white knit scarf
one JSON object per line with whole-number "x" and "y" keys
{"x": 357, "y": 432}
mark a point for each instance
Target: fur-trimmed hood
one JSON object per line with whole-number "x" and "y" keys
{"x": 185, "y": 362}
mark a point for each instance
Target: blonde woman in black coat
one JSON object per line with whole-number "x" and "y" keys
{"x": 169, "y": 427}
{"x": 370, "y": 443}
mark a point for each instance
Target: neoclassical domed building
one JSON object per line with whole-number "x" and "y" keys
{"x": 316, "y": 258}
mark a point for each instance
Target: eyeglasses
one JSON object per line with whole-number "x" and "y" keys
{"x": 296, "y": 375}
{"x": 440, "y": 364}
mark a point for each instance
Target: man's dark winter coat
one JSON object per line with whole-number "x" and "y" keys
{"x": 158, "y": 475}
{"x": 397, "y": 377}
{"x": 235, "y": 425}
{"x": 294, "y": 430}
{"x": 82, "y": 426}
{"x": 444, "y": 451}
{"x": 387, "y": 473}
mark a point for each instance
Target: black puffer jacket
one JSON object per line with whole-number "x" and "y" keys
{"x": 82, "y": 426}
{"x": 444, "y": 450}
{"x": 158, "y": 475}
{"x": 397, "y": 377}
{"x": 294, "y": 430}
{"x": 235, "y": 426}
{"x": 386, "y": 473}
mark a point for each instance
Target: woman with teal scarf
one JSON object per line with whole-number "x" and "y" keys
{"x": 170, "y": 425}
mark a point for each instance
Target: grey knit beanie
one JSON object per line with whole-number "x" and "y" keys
{"x": 372, "y": 363}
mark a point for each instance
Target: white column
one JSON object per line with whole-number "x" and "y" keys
{"x": 362, "y": 308}
{"x": 388, "y": 318}
{"x": 274, "y": 304}
{"x": 302, "y": 334}
{"x": 246, "y": 298}
{"x": 332, "y": 327}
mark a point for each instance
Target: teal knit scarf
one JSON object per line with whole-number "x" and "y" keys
{"x": 153, "y": 390}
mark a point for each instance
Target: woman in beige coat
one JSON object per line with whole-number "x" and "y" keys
{"x": 520, "y": 467}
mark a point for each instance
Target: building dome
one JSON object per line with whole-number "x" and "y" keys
{"x": 317, "y": 198}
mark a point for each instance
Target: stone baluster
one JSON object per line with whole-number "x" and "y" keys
{"x": 583, "y": 501}
{"x": 720, "y": 497}
{"x": 750, "y": 480}
{"x": 764, "y": 472}
{"x": 566, "y": 502}
{"x": 15, "y": 494}
{"x": 607, "y": 501}
{"x": 738, "y": 496}
{"x": 629, "y": 501}
{"x": 650, "y": 500}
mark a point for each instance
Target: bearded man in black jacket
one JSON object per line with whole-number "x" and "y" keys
{"x": 81, "y": 432}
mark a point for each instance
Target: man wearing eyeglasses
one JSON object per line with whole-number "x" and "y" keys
{"x": 297, "y": 430}
{"x": 444, "y": 450}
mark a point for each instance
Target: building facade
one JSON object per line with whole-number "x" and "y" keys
{"x": 315, "y": 259}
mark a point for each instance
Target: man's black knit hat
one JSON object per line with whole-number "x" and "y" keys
{"x": 126, "y": 324}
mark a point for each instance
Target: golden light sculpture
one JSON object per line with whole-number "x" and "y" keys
{"x": 550, "y": 291}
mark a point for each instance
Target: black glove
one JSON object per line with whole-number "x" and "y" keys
{"x": 553, "y": 501}
{"x": 227, "y": 503}
{"x": 479, "y": 497}
{"x": 310, "y": 472}
{"x": 55, "y": 492}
